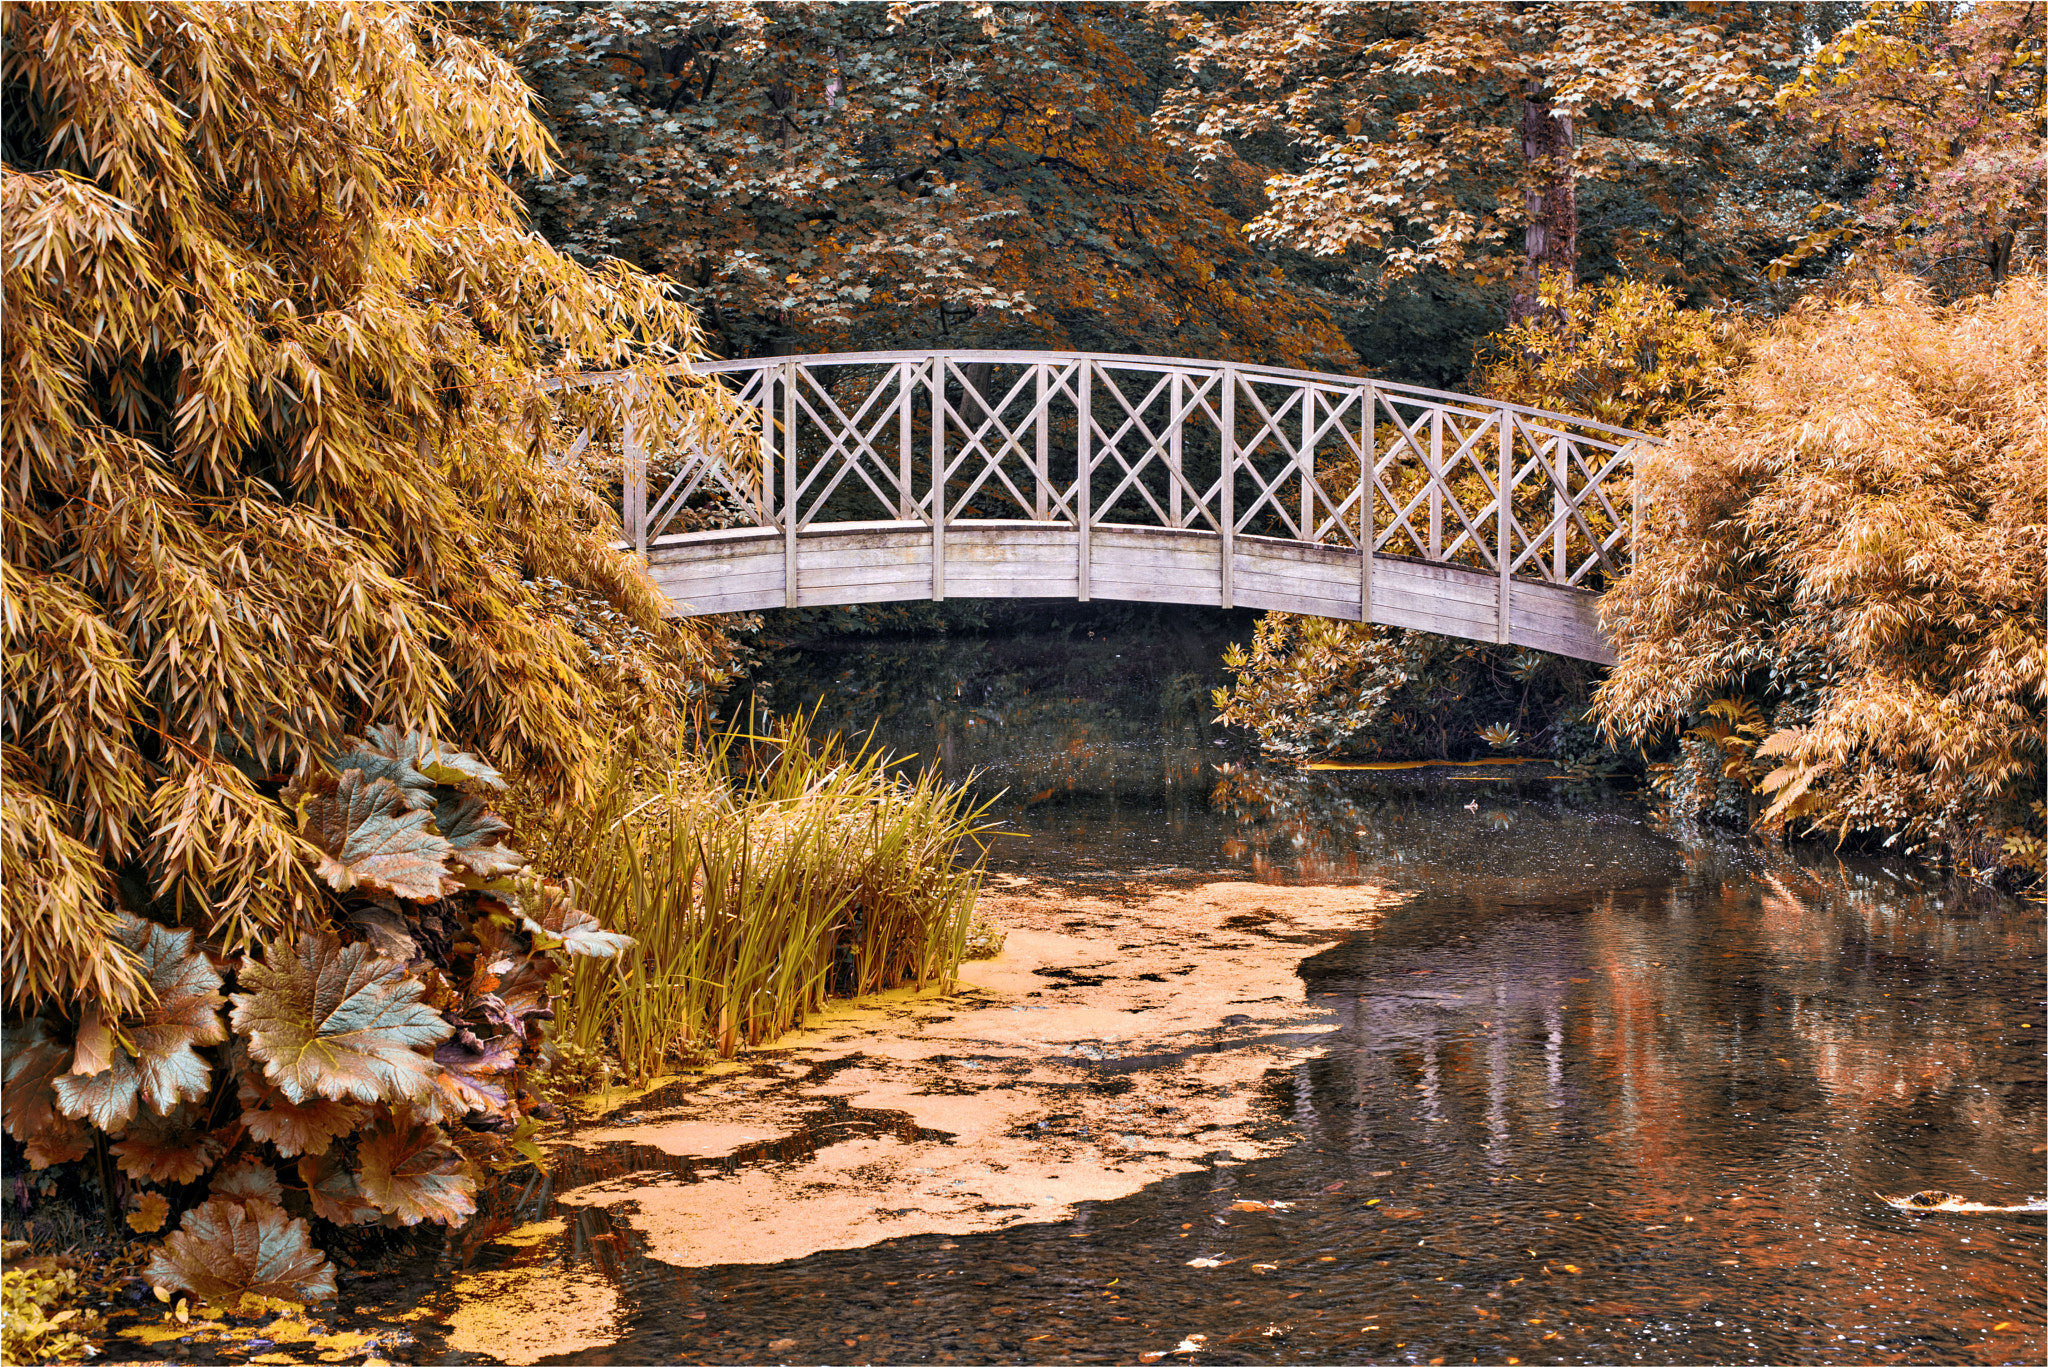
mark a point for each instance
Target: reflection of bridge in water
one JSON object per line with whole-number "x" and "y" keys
{"x": 886, "y": 476}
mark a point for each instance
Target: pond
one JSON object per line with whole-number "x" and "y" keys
{"x": 1421, "y": 1066}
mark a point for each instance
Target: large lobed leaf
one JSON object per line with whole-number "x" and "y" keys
{"x": 368, "y": 839}
{"x": 271, "y": 1117}
{"x": 472, "y": 831}
{"x": 169, "y": 1148}
{"x": 227, "y": 1249}
{"x": 335, "y": 1021}
{"x": 332, "y": 1187}
{"x": 410, "y": 1172}
{"x": 467, "y": 1066}
{"x": 35, "y": 1060}
{"x": 563, "y": 926}
{"x": 164, "y": 1069}
{"x": 389, "y": 754}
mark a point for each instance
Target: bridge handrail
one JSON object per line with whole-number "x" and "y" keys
{"x": 972, "y": 357}
{"x": 1104, "y": 438}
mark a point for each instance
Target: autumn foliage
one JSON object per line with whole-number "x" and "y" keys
{"x": 276, "y": 351}
{"x": 1841, "y": 578}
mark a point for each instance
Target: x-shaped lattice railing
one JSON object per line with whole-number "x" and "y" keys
{"x": 1088, "y": 441}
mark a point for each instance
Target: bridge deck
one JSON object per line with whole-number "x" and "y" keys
{"x": 751, "y": 569}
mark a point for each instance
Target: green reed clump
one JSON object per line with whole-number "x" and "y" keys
{"x": 757, "y": 878}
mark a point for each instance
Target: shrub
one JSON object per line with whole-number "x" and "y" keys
{"x": 329, "y": 1087}
{"x": 1621, "y": 352}
{"x": 39, "y": 1318}
{"x": 1316, "y": 686}
{"x": 1851, "y": 546}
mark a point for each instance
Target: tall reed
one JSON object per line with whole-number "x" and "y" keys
{"x": 759, "y": 876}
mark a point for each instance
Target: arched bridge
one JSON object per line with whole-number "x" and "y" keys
{"x": 885, "y": 476}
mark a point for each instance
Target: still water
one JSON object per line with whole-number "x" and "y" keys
{"x": 1595, "y": 1093}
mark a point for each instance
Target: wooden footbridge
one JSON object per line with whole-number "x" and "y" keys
{"x": 886, "y": 476}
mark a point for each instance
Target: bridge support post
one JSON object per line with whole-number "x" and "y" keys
{"x": 789, "y": 495}
{"x": 1368, "y": 483}
{"x": 1227, "y": 480}
{"x": 634, "y": 495}
{"x": 906, "y": 495}
{"x": 938, "y": 479}
{"x": 1044, "y": 443}
{"x": 1504, "y": 543}
{"x": 1084, "y": 472}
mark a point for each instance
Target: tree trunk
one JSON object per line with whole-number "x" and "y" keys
{"x": 2001, "y": 258}
{"x": 1551, "y": 241}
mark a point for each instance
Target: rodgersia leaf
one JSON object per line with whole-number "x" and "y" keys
{"x": 226, "y": 1249}
{"x": 35, "y": 1060}
{"x": 150, "y": 1212}
{"x": 562, "y": 925}
{"x": 467, "y": 1065}
{"x": 169, "y": 1148}
{"x": 336, "y": 1195}
{"x": 368, "y": 840}
{"x": 163, "y": 1070}
{"x": 64, "y": 1140}
{"x": 335, "y": 1021}
{"x": 248, "y": 1180}
{"x": 386, "y": 931}
{"x": 472, "y": 830}
{"x": 410, "y": 1172}
{"x": 454, "y": 766}
{"x": 389, "y": 754}
{"x": 271, "y": 1117}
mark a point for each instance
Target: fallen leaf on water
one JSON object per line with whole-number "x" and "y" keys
{"x": 1209, "y": 1262}
{"x": 1261, "y": 1205}
{"x": 781, "y": 1345}
{"x": 1569, "y": 1268}
{"x": 1265, "y": 1267}
{"x": 1192, "y": 1343}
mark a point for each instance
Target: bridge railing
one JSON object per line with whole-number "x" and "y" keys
{"x": 1088, "y": 440}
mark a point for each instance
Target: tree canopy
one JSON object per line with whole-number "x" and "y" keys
{"x": 1476, "y": 139}
{"x": 830, "y": 176}
{"x": 1945, "y": 103}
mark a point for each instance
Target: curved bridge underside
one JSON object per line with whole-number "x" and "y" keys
{"x": 747, "y": 570}
{"x": 882, "y": 476}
